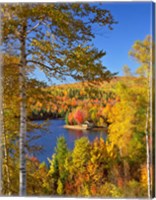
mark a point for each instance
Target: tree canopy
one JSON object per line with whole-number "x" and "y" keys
{"x": 58, "y": 37}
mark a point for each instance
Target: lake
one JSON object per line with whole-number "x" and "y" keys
{"x": 55, "y": 129}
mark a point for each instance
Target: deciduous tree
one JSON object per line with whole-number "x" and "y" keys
{"x": 56, "y": 38}
{"x": 142, "y": 53}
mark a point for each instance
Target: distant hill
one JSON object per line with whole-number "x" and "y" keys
{"x": 106, "y": 84}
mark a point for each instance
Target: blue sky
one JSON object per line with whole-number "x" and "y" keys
{"x": 134, "y": 23}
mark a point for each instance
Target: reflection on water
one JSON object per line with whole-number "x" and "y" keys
{"x": 77, "y": 133}
{"x": 56, "y": 130}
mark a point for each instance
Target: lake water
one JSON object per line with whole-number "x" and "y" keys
{"x": 55, "y": 129}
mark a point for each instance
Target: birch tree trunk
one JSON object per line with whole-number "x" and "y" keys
{"x": 148, "y": 127}
{"x": 22, "y": 137}
{"x": 148, "y": 154}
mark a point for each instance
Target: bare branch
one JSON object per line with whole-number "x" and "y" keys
{"x": 33, "y": 28}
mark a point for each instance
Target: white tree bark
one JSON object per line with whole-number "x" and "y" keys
{"x": 148, "y": 154}
{"x": 22, "y": 137}
{"x": 148, "y": 128}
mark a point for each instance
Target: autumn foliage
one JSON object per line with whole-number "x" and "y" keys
{"x": 115, "y": 167}
{"x": 79, "y": 117}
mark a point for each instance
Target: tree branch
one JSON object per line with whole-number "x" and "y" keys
{"x": 12, "y": 64}
{"x": 41, "y": 64}
{"x": 33, "y": 28}
{"x": 61, "y": 72}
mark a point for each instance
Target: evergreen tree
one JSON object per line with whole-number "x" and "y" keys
{"x": 57, "y": 170}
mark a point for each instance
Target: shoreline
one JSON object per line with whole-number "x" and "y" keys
{"x": 48, "y": 118}
{"x": 80, "y": 127}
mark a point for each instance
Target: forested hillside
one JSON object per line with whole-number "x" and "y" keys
{"x": 116, "y": 167}
{"x": 61, "y": 41}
